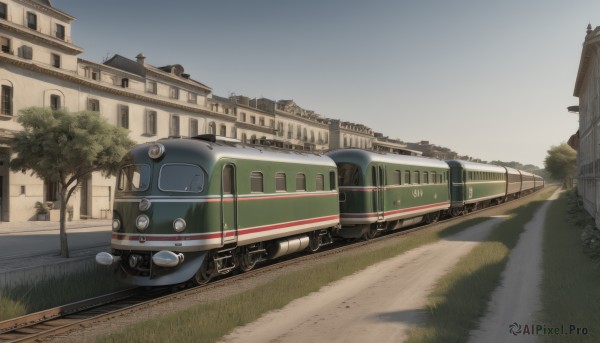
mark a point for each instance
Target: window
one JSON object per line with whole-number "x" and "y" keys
{"x": 5, "y": 45}
{"x": 434, "y": 177}
{"x": 331, "y": 180}
{"x": 7, "y": 96}
{"x": 93, "y": 105}
{"x": 178, "y": 177}
{"x": 93, "y": 74}
{"x": 228, "y": 180}
{"x": 192, "y": 98}
{"x": 123, "y": 116}
{"x": 212, "y": 128}
{"x": 133, "y": 177}
{"x": 320, "y": 182}
{"x": 174, "y": 127}
{"x": 151, "y": 87}
{"x": 417, "y": 179}
{"x": 174, "y": 92}
{"x": 3, "y": 11}
{"x": 256, "y": 182}
{"x": 348, "y": 174}
{"x": 425, "y": 177}
{"x": 193, "y": 127}
{"x": 407, "y": 177}
{"x": 54, "y": 102}
{"x": 223, "y": 131}
{"x": 244, "y": 138}
{"x": 55, "y": 60}
{"x": 26, "y": 52}
{"x": 280, "y": 183}
{"x": 151, "y": 117}
{"x": 32, "y": 20}
{"x": 396, "y": 178}
{"x": 234, "y": 132}
{"x": 300, "y": 182}
{"x": 290, "y": 131}
{"x": 252, "y": 120}
{"x": 51, "y": 190}
{"x": 243, "y": 117}
{"x": 124, "y": 82}
{"x": 261, "y": 121}
{"x": 60, "y": 31}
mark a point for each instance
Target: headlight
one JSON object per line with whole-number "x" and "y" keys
{"x": 144, "y": 205}
{"x": 142, "y": 222}
{"x": 156, "y": 150}
{"x": 179, "y": 225}
{"x": 116, "y": 224}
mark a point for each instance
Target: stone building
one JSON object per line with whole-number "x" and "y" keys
{"x": 587, "y": 88}
{"x": 349, "y": 135}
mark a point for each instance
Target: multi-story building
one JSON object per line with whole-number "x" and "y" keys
{"x": 349, "y": 135}
{"x": 385, "y": 144}
{"x": 587, "y": 89}
{"x": 40, "y": 68}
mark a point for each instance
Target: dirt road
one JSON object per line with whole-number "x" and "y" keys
{"x": 378, "y": 304}
{"x": 517, "y": 299}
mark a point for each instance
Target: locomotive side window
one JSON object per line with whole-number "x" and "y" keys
{"x": 434, "y": 177}
{"x": 134, "y": 178}
{"x": 256, "y": 182}
{"x": 417, "y": 179}
{"x": 425, "y": 177}
{"x": 348, "y": 174}
{"x": 331, "y": 180}
{"x": 300, "y": 182}
{"x": 407, "y": 177}
{"x": 181, "y": 178}
{"x": 228, "y": 180}
{"x": 320, "y": 181}
{"x": 396, "y": 177}
{"x": 280, "y": 184}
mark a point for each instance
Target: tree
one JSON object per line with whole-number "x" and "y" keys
{"x": 63, "y": 147}
{"x": 561, "y": 162}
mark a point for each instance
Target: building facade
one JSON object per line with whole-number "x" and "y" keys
{"x": 587, "y": 89}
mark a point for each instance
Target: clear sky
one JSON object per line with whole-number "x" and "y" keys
{"x": 490, "y": 79}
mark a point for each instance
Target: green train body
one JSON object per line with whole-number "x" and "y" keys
{"x": 227, "y": 196}
{"x": 386, "y": 191}
{"x": 191, "y": 209}
{"x": 475, "y": 183}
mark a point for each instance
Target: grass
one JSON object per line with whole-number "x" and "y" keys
{"x": 571, "y": 278}
{"x": 55, "y": 291}
{"x": 210, "y": 322}
{"x": 461, "y": 296}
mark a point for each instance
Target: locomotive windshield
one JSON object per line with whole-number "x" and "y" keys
{"x": 348, "y": 174}
{"x": 134, "y": 178}
{"x": 181, "y": 178}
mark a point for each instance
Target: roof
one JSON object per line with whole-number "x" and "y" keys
{"x": 348, "y": 155}
{"x": 476, "y": 166}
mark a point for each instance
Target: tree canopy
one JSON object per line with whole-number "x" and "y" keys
{"x": 561, "y": 162}
{"x": 64, "y": 147}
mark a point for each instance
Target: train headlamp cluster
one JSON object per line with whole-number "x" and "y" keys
{"x": 179, "y": 225}
{"x": 156, "y": 151}
{"x": 144, "y": 205}
{"x": 116, "y": 224}
{"x": 142, "y": 222}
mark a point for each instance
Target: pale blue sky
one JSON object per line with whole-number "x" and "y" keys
{"x": 490, "y": 79}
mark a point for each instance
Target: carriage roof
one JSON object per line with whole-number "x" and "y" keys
{"x": 367, "y": 157}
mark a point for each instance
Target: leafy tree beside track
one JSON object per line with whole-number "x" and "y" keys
{"x": 561, "y": 163}
{"x": 63, "y": 147}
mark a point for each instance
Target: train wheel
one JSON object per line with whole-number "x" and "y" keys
{"x": 370, "y": 233}
{"x": 315, "y": 242}
{"x": 248, "y": 261}
{"x": 432, "y": 217}
{"x": 203, "y": 275}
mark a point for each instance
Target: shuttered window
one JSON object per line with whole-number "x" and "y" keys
{"x": 280, "y": 184}
{"x": 300, "y": 182}
{"x": 320, "y": 182}
{"x": 256, "y": 182}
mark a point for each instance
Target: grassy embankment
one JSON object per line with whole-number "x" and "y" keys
{"x": 461, "y": 296}
{"x": 209, "y": 322}
{"x": 56, "y": 291}
{"x": 571, "y": 278}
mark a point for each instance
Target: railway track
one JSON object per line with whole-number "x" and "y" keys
{"x": 52, "y": 322}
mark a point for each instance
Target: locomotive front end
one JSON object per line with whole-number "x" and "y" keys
{"x": 158, "y": 216}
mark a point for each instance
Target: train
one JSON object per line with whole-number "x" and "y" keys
{"x": 189, "y": 209}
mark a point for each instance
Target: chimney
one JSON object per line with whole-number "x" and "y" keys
{"x": 141, "y": 59}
